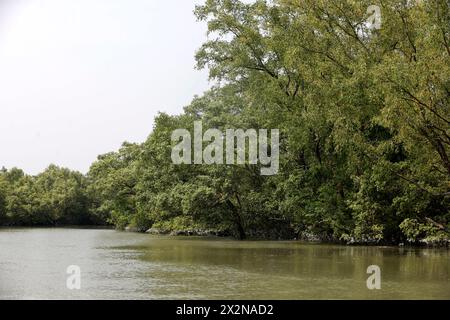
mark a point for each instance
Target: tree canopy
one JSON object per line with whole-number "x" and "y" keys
{"x": 365, "y": 132}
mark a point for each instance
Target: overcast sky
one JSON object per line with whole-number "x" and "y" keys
{"x": 79, "y": 77}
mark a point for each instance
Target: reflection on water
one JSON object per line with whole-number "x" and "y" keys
{"x": 117, "y": 265}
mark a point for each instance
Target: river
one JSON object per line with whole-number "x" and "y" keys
{"x": 120, "y": 265}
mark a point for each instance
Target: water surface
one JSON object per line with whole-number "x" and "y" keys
{"x": 119, "y": 265}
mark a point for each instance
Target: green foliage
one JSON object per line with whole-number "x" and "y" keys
{"x": 3, "y": 196}
{"x": 365, "y": 113}
{"x": 364, "y": 120}
{"x": 427, "y": 232}
{"x": 112, "y": 179}
{"x": 55, "y": 197}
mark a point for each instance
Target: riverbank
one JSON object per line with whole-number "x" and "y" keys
{"x": 303, "y": 237}
{"x": 81, "y": 227}
{"x": 306, "y": 237}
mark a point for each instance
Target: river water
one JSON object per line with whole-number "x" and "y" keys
{"x": 119, "y": 265}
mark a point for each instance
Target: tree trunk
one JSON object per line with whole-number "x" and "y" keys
{"x": 237, "y": 220}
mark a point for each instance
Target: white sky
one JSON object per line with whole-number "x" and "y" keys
{"x": 79, "y": 77}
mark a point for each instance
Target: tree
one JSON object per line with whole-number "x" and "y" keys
{"x": 3, "y": 195}
{"x": 62, "y": 197}
{"x": 55, "y": 197}
{"x": 112, "y": 180}
{"x": 364, "y": 112}
{"x": 364, "y": 121}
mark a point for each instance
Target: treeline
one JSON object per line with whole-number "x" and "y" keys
{"x": 54, "y": 197}
{"x": 364, "y": 118}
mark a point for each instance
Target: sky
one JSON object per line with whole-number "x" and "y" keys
{"x": 79, "y": 77}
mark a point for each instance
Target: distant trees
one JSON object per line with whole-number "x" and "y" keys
{"x": 55, "y": 197}
{"x": 62, "y": 196}
{"x": 3, "y": 195}
{"x": 364, "y": 118}
{"x": 112, "y": 186}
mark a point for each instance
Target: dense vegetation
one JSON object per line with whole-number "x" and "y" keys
{"x": 365, "y": 132}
